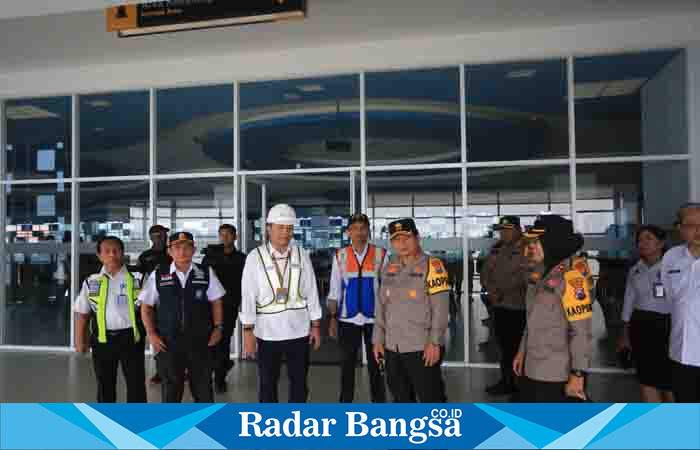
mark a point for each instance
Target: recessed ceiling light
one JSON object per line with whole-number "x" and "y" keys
{"x": 623, "y": 87}
{"x": 100, "y": 103}
{"x": 98, "y": 130}
{"x": 608, "y": 88}
{"x": 584, "y": 91}
{"x": 292, "y": 96}
{"x": 28, "y": 112}
{"x": 310, "y": 88}
{"x": 525, "y": 73}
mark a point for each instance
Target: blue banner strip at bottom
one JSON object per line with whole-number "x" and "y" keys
{"x": 358, "y": 426}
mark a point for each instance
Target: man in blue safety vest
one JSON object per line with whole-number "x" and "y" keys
{"x": 354, "y": 286}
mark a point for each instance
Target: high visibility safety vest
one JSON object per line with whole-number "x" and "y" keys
{"x": 98, "y": 298}
{"x": 287, "y": 297}
{"x": 360, "y": 281}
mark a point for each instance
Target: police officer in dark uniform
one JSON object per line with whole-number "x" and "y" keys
{"x": 504, "y": 276}
{"x": 152, "y": 258}
{"x": 187, "y": 323}
{"x": 227, "y": 263}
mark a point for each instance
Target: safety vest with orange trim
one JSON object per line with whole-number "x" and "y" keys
{"x": 360, "y": 281}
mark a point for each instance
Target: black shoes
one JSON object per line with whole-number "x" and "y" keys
{"x": 220, "y": 387}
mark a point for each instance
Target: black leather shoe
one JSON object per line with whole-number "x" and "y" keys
{"x": 220, "y": 387}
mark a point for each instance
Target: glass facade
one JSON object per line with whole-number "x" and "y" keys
{"x": 455, "y": 148}
{"x": 195, "y": 129}
{"x": 517, "y": 111}
{"x": 114, "y": 134}
{"x": 37, "y": 265}
{"x": 38, "y": 138}
{"x": 301, "y": 123}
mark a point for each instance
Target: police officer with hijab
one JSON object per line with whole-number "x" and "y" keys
{"x": 557, "y": 346}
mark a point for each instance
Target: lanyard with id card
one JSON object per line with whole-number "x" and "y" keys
{"x": 659, "y": 287}
{"x": 282, "y": 293}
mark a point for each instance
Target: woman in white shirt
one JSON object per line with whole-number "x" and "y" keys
{"x": 647, "y": 317}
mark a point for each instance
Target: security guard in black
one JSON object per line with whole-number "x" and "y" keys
{"x": 227, "y": 263}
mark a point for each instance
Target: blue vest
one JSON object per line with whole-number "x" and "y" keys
{"x": 184, "y": 312}
{"x": 360, "y": 281}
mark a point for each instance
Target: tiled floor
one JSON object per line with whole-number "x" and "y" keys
{"x": 32, "y": 377}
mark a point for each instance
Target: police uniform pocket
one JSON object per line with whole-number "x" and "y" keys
{"x": 419, "y": 317}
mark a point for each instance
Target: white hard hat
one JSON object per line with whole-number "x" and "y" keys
{"x": 282, "y": 214}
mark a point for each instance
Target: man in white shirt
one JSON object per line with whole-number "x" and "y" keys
{"x": 681, "y": 279}
{"x": 354, "y": 286}
{"x": 280, "y": 310}
{"x": 107, "y": 302}
{"x": 187, "y": 323}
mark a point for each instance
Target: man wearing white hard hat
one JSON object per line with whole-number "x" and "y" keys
{"x": 280, "y": 310}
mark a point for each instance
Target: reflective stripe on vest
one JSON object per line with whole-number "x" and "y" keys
{"x": 294, "y": 299}
{"x": 350, "y": 270}
{"x": 101, "y": 302}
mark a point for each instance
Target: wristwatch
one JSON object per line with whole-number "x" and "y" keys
{"x": 219, "y": 327}
{"x": 578, "y": 373}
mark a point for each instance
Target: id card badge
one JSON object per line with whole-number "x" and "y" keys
{"x": 281, "y": 295}
{"x": 659, "y": 290}
{"x": 121, "y": 299}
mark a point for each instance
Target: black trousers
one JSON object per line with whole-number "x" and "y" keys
{"x": 408, "y": 378}
{"x": 222, "y": 357}
{"x": 350, "y": 337}
{"x": 535, "y": 391}
{"x": 296, "y": 353}
{"x": 171, "y": 365}
{"x": 120, "y": 349}
{"x": 509, "y": 329}
{"x": 685, "y": 383}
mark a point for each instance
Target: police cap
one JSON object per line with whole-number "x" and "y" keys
{"x": 507, "y": 223}
{"x": 181, "y": 236}
{"x": 402, "y": 226}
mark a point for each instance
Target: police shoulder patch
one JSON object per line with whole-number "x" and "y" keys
{"x": 581, "y": 266}
{"x": 437, "y": 280}
{"x": 576, "y": 300}
{"x": 437, "y": 265}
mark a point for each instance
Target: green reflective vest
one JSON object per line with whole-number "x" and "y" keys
{"x": 100, "y": 303}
